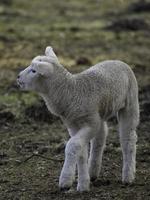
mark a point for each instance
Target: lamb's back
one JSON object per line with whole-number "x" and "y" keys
{"x": 108, "y": 74}
{"x": 109, "y": 69}
{"x": 107, "y": 85}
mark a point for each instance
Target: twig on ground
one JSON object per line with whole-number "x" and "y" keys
{"x": 41, "y": 156}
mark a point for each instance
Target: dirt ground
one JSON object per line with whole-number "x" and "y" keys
{"x": 32, "y": 141}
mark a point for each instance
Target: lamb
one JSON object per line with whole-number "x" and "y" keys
{"x": 84, "y": 102}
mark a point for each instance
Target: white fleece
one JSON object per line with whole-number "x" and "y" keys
{"x": 84, "y": 102}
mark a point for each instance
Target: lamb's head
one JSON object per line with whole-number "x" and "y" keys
{"x": 41, "y": 68}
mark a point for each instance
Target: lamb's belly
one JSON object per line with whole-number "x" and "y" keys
{"x": 106, "y": 113}
{"x": 111, "y": 110}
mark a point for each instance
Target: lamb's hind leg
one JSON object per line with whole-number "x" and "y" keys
{"x": 96, "y": 151}
{"x": 128, "y": 121}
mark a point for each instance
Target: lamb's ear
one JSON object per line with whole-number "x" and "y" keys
{"x": 50, "y": 53}
{"x": 43, "y": 68}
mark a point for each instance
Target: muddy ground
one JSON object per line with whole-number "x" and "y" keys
{"x": 32, "y": 141}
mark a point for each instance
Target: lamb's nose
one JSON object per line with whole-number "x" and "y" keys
{"x": 18, "y": 76}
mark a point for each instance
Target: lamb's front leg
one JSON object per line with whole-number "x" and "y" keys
{"x": 67, "y": 175}
{"x": 83, "y": 174}
{"x": 96, "y": 152}
{"x": 76, "y": 151}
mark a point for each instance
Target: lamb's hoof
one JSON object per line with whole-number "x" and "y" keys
{"x": 128, "y": 180}
{"x": 64, "y": 189}
{"x": 83, "y": 188}
{"x": 65, "y": 184}
{"x": 93, "y": 179}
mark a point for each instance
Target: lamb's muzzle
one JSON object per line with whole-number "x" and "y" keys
{"x": 84, "y": 102}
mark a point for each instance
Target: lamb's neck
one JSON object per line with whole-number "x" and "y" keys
{"x": 59, "y": 91}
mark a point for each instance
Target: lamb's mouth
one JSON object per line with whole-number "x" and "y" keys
{"x": 20, "y": 84}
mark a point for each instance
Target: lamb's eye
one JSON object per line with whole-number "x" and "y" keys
{"x": 33, "y": 70}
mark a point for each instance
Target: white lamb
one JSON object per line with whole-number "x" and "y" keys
{"x": 84, "y": 102}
